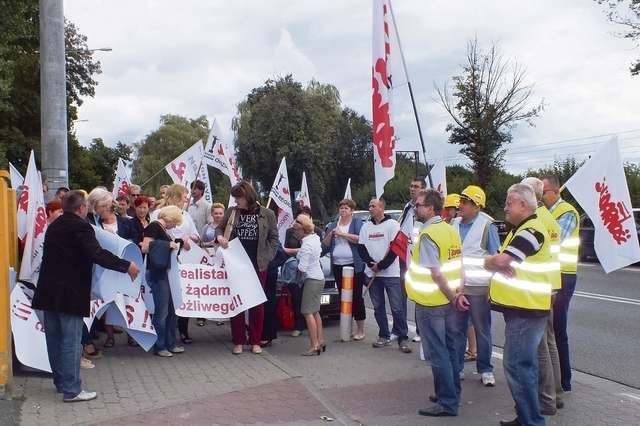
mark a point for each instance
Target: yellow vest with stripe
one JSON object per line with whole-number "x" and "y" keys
{"x": 553, "y": 229}
{"x": 569, "y": 246}
{"x": 530, "y": 287}
{"x": 418, "y": 282}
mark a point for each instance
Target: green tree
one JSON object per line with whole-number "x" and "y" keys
{"x": 20, "y": 87}
{"x": 626, "y": 13}
{"x": 175, "y": 135}
{"x": 487, "y": 101}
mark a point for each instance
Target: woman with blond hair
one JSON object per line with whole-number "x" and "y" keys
{"x": 178, "y": 195}
{"x": 255, "y": 227}
{"x": 309, "y": 266}
{"x": 159, "y": 246}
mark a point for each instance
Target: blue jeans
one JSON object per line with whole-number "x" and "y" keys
{"x": 398, "y": 312}
{"x": 63, "y": 333}
{"x": 522, "y": 335}
{"x": 560, "y": 321}
{"x": 480, "y": 314}
{"x": 164, "y": 318}
{"x": 443, "y": 341}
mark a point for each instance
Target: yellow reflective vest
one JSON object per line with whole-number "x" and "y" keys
{"x": 530, "y": 287}
{"x": 418, "y": 282}
{"x": 569, "y": 246}
{"x": 553, "y": 229}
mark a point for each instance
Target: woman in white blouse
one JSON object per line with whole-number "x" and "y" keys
{"x": 309, "y": 265}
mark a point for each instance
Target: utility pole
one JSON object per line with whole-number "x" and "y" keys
{"x": 53, "y": 95}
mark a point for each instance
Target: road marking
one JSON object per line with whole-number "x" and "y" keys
{"x": 608, "y": 298}
{"x": 630, "y": 395}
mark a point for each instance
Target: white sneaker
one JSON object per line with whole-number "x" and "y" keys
{"x": 164, "y": 353}
{"x": 488, "y": 379}
{"x": 82, "y": 396}
{"x": 416, "y": 338}
{"x": 176, "y": 350}
{"x": 296, "y": 333}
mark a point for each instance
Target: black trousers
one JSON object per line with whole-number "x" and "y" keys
{"x": 359, "y": 281}
{"x": 270, "y": 324}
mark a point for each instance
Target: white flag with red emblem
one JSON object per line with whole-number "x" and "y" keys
{"x": 439, "y": 178}
{"x": 600, "y": 187}
{"x": 16, "y": 178}
{"x": 218, "y": 154}
{"x": 347, "y": 191}
{"x": 36, "y": 225}
{"x": 122, "y": 180}
{"x": 24, "y": 197}
{"x": 281, "y": 195}
{"x": 387, "y": 72}
{"x": 303, "y": 199}
{"x": 187, "y": 166}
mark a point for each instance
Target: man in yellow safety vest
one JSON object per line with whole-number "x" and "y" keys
{"x": 434, "y": 275}
{"x": 521, "y": 290}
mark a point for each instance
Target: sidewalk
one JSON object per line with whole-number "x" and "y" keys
{"x": 351, "y": 383}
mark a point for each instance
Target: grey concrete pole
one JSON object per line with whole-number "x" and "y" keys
{"x": 53, "y": 96}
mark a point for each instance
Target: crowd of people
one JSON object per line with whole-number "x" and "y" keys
{"x": 451, "y": 264}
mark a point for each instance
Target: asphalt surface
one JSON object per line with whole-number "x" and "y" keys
{"x": 604, "y": 335}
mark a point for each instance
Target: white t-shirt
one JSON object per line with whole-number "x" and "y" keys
{"x": 377, "y": 238}
{"x": 342, "y": 254}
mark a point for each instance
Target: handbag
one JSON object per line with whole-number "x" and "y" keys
{"x": 284, "y": 310}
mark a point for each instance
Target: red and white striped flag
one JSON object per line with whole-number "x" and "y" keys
{"x": 281, "y": 195}
{"x": 386, "y": 66}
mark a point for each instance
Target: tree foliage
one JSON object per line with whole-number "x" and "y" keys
{"x": 626, "y": 13}
{"x": 486, "y": 102}
{"x": 308, "y": 126}
{"x": 20, "y": 89}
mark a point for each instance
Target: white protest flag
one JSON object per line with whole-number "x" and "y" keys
{"x": 347, "y": 191}
{"x": 23, "y": 200}
{"x": 122, "y": 180}
{"x": 190, "y": 166}
{"x": 600, "y": 187}
{"x": 28, "y": 332}
{"x": 280, "y": 193}
{"x": 16, "y": 178}
{"x": 303, "y": 198}
{"x": 387, "y": 72}
{"x": 218, "y": 154}
{"x": 439, "y": 178}
{"x": 36, "y": 225}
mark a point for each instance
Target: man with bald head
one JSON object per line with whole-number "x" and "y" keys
{"x": 383, "y": 272}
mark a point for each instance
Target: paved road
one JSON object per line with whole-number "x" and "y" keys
{"x": 604, "y": 324}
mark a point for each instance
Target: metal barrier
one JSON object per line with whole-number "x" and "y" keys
{"x": 8, "y": 258}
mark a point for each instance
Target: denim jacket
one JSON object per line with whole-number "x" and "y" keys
{"x": 354, "y": 228}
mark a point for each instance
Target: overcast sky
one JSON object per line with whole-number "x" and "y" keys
{"x": 203, "y": 57}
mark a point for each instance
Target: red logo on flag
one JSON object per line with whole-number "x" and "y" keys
{"x": 23, "y": 201}
{"x": 40, "y": 223}
{"x": 124, "y": 188}
{"x": 285, "y": 190}
{"x": 179, "y": 171}
{"x": 613, "y": 214}
{"x": 221, "y": 150}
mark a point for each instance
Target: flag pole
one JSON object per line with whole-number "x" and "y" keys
{"x": 413, "y": 102}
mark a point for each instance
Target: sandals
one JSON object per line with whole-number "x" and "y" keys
{"x": 109, "y": 343}
{"x": 469, "y": 356}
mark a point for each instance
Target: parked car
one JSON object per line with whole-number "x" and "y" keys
{"x": 586, "y": 251}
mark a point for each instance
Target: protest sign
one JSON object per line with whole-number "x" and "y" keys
{"x": 28, "y": 332}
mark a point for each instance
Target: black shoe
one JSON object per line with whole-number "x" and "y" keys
{"x": 433, "y": 398}
{"x": 559, "y": 404}
{"x": 548, "y": 412}
{"x": 435, "y": 411}
{"x": 404, "y": 346}
{"x": 514, "y": 422}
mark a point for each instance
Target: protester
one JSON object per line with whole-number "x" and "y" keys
{"x": 479, "y": 239}
{"x": 569, "y": 221}
{"x": 178, "y": 195}
{"x": 152, "y": 204}
{"x": 383, "y": 272}
{"x": 199, "y": 208}
{"x": 63, "y": 292}
{"x": 341, "y": 240}
{"x": 255, "y": 227}
{"x": 525, "y": 256}
{"x": 213, "y": 222}
{"x": 60, "y": 193}
{"x": 313, "y": 282}
{"x": 159, "y": 246}
{"x": 270, "y": 324}
{"x": 53, "y": 210}
{"x": 451, "y": 205}
{"x": 140, "y": 220}
{"x": 124, "y": 206}
{"x": 434, "y": 275}
{"x": 549, "y": 377}
{"x": 163, "y": 192}
{"x": 134, "y": 192}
